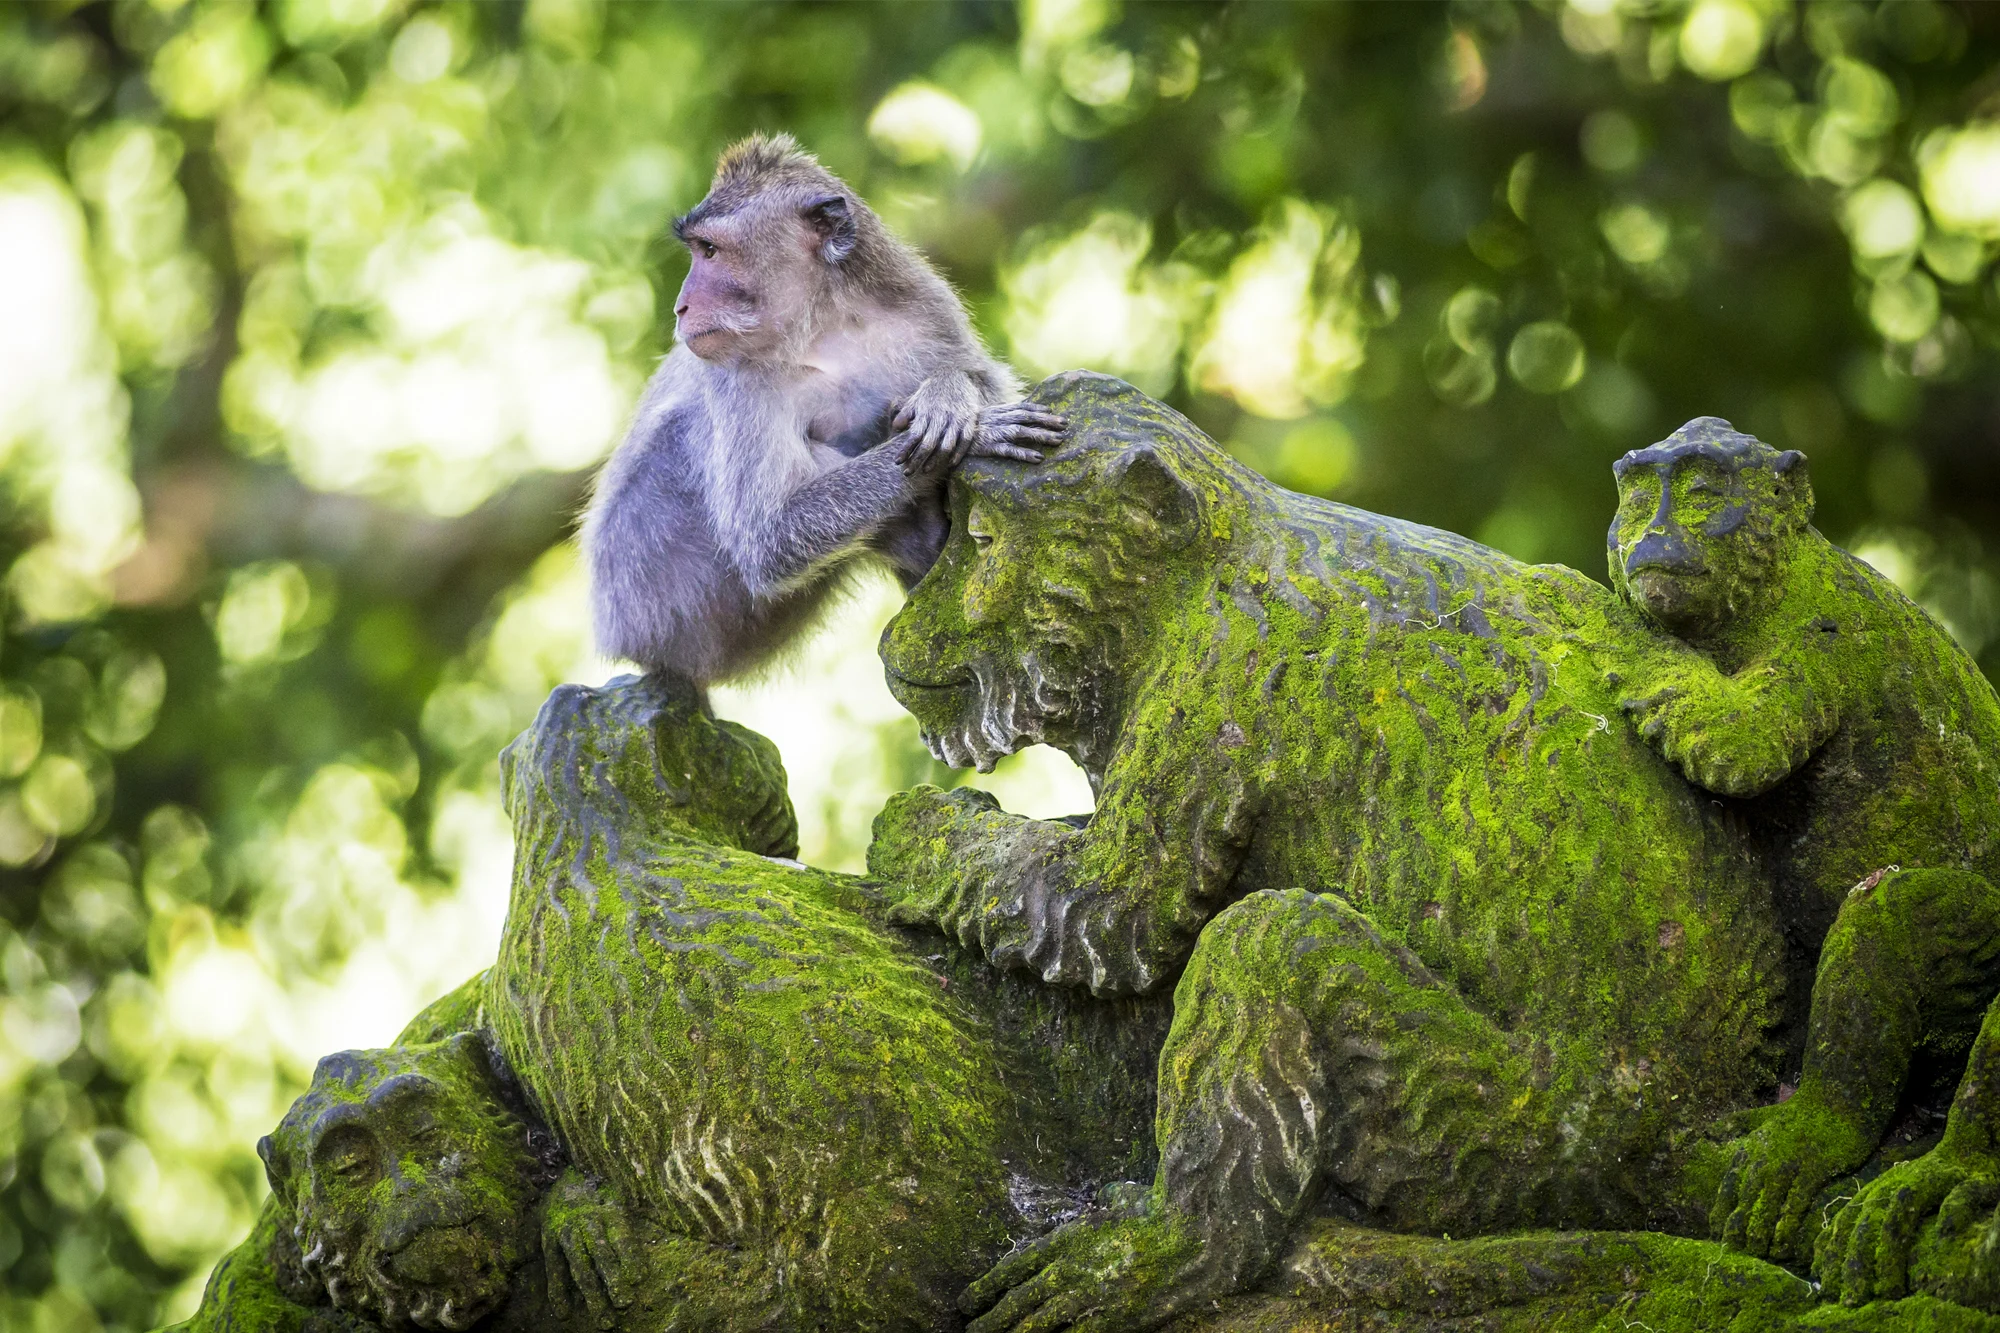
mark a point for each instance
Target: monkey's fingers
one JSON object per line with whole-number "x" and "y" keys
{"x": 1047, "y": 439}
{"x": 904, "y": 416}
{"x": 925, "y": 456}
{"x": 990, "y": 449}
{"x": 964, "y": 435}
{"x": 899, "y": 447}
{"x": 1024, "y": 414}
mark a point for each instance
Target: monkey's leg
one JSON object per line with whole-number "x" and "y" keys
{"x": 1912, "y": 957}
{"x": 1309, "y": 1054}
{"x": 1865, "y": 1255}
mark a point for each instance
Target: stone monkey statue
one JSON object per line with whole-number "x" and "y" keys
{"x": 1859, "y": 737}
{"x": 1449, "y": 951}
{"x": 755, "y": 470}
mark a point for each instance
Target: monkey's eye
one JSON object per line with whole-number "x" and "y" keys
{"x": 704, "y": 249}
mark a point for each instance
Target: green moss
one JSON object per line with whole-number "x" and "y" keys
{"x": 1533, "y": 962}
{"x": 1444, "y": 945}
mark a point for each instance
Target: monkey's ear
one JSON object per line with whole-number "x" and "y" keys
{"x": 1157, "y": 497}
{"x": 277, "y": 1172}
{"x": 832, "y": 219}
{"x": 1794, "y": 483}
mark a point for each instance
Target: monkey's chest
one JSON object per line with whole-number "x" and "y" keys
{"x": 851, "y": 419}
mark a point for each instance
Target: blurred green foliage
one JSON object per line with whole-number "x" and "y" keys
{"x": 315, "y": 313}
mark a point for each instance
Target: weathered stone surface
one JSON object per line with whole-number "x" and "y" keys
{"x": 1449, "y": 952}
{"x": 1453, "y": 951}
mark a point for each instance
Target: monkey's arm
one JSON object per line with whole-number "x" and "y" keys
{"x": 1115, "y": 906}
{"x": 821, "y": 521}
{"x": 1736, "y": 735}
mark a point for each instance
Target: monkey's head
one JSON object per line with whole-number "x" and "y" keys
{"x": 412, "y": 1182}
{"x": 1033, "y": 623}
{"x": 776, "y": 233}
{"x": 1703, "y": 517}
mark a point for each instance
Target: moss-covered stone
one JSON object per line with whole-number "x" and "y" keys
{"x": 1446, "y": 948}
{"x": 1857, "y": 736}
{"x": 1489, "y": 963}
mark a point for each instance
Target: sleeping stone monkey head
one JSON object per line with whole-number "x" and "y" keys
{"x": 411, "y": 1182}
{"x": 1704, "y": 519}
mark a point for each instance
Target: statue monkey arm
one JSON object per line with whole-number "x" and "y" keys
{"x": 1734, "y": 734}
{"x": 1115, "y": 906}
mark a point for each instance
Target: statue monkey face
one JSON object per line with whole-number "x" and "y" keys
{"x": 412, "y": 1185}
{"x": 1702, "y": 517}
{"x": 1034, "y": 617}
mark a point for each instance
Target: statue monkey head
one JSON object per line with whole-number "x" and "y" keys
{"x": 1704, "y": 517}
{"x": 411, "y": 1181}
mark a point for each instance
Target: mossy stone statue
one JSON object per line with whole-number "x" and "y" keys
{"x": 1454, "y": 950}
{"x": 1475, "y": 998}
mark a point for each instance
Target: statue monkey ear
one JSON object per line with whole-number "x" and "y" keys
{"x": 1794, "y": 480}
{"x": 277, "y": 1171}
{"x": 1154, "y": 493}
{"x": 832, "y": 219}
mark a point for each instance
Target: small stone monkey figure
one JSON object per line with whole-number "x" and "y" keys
{"x": 410, "y": 1187}
{"x": 756, "y": 470}
{"x": 1858, "y": 738}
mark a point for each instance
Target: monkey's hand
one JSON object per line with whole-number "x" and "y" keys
{"x": 1020, "y": 431}
{"x": 939, "y": 424}
{"x": 588, "y": 1250}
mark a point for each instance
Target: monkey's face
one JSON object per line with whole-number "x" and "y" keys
{"x": 1695, "y": 535}
{"x": 753, "y": 278}
{"x": 1029, "y": 627}
{"x": 412, "y": 1186}
{"x": 718, "y": 313}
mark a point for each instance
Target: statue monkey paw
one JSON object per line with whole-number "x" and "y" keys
{"x": 912, "y": 849}
{"x": 1765, "y": 1205}
{"x": 588, "y": 1251}
{"x": 1864, "y": 1254}
{"x": 1115, "y": 1275}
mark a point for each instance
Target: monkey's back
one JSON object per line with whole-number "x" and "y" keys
{"x": 728, "y": 1041}
{"x": 665, "y": 592}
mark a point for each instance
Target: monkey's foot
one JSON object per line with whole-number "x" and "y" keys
{"x": 1865, "y": 1254}
{"x": 1120, "y": 1276}
{"x": 1766, "y": 1203}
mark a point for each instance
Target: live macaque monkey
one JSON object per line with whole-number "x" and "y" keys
{"x": 762, "y": 462}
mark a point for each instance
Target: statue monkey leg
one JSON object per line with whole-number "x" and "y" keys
{"x": 1315, "y": 1064}
{"x": 1912, "y": 960}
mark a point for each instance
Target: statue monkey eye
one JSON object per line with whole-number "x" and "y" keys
{"x": 347, "y": 1155}
{"x": 976, "y": 528}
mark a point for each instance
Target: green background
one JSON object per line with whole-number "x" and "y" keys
{"x": 314, "y": 316}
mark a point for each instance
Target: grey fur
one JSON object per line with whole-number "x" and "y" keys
{"x": 749, "y": 485}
